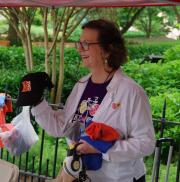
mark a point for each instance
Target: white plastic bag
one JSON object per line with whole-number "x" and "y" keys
{"x": 22, "y": 136}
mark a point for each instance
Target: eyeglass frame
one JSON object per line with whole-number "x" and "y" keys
{"x": 80, "y": 44}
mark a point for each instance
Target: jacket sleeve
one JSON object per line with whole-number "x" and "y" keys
{"x": 51, "y": 121}
{"x": 55, "y": 122}
{"x": 140, "y": 141}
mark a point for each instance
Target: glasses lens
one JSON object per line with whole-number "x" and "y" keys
{"x": 85, "y": 45}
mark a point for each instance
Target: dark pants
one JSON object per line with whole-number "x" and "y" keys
{"x": 141, "y": 179}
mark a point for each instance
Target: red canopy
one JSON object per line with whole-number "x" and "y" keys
{"x": 88, "y": 3}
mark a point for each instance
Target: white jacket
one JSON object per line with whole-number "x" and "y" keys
{"x": 125, "y": 107}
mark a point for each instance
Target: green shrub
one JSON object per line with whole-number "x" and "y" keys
{"x": 142, "y": 50}
{"x": 13, "y": 57}
{"x": 155, "y": 78}
{"x": 172, "y": 53}
{"x": 172, "y": 101}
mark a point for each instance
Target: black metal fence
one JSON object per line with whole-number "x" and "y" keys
{"x": 48, "y": 168}
{"x": 26, "y": 163}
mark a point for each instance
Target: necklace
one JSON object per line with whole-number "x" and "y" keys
{"x": 109, "y": 76}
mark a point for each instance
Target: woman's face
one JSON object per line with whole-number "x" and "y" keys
{"x": 94, "y": 57}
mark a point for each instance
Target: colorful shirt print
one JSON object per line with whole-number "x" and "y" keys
{"x": 90, "y": 102}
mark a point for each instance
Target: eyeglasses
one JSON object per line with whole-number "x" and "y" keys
{"x": 84, "y": 45}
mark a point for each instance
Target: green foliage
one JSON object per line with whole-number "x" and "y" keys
{"x": 142, "y": 50}
{"x": 4, "y": 28}
{"x": 149, "y": 22}
{"x": 75, "y": 35}
{"x": 173, "y": 104}
{"x": 48, "y": 154}
{"x": 172, "y": 53}
{"x": 12, "y": 58}
{"x": 169, "y": 14}
{"x": 10, "y": 81}
{"x": 37, "y": 33}
{"x": 37, "y": 18}
{"x": 155, "y": 78}
{"x": 172, "y": 171}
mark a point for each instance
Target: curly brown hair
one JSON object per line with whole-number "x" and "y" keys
{"x": 111, "y": 41}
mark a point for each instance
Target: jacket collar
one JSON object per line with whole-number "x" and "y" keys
{"x": 85, "y": 78}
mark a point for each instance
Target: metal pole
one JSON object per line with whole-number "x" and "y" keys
{"x": 26, "y": 165}
{"x": 168, "y": 163}
{"x": 55, "y": 158}
{"x": 41, "y": 154}
{"x": 178, "y": 166}
{"x": 155, "y": 164}
{"x": 163, "y": 120}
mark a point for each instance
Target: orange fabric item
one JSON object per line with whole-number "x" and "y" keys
{"x": 101, "y": 131}
{"x": 1, "y": 144}
{"x": 8, "y": 104}
{"x": 3, "y": 110}
{"x": 3, "y": 128}
{"x": 2, "y": 116}
{"x": 6, "y": 127}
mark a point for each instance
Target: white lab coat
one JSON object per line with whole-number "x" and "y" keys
{"x": 125, "y": 107}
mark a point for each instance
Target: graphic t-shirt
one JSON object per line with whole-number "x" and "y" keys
{"x": 89, "y": 102}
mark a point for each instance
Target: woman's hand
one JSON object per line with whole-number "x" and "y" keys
{"x": 86, "y": 148}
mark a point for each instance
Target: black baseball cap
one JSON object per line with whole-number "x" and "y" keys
{"x": 32, "y": 87}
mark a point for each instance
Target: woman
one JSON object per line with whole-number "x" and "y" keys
{"x": 108, "y": 96}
